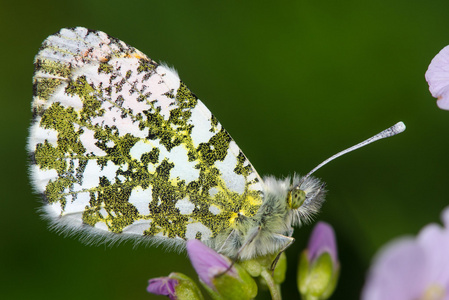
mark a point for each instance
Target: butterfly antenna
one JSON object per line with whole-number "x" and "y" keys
{"x": 393, "y": 130}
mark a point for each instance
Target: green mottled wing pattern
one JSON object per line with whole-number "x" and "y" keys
{"x": 120, "y": 145}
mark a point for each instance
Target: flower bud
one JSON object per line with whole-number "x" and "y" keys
{"x": 217, "y": 276}
{"x": 176, "y": 286}
{"x": 257, "y": 265}
{"x": 319, "y": 266}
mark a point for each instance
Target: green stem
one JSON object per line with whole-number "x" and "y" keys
{"x": 275, "y": 289}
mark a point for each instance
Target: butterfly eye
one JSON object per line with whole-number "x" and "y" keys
{"x": 296, "y": 198}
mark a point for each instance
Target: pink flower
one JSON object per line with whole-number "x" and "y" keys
{"x": 319, "y": 267}
{"x": 437, "y": 77}
{"x": 217, "y": 276}
{"x": 322, "y": 240}
{"x": 412, "y": 269}
{"x": 163, "y": 286}
{"x": 207, "y": 262}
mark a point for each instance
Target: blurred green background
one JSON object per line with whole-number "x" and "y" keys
{"x": 292, "y": 81}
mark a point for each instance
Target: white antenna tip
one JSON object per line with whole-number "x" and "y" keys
{"x": 399, "y": 127}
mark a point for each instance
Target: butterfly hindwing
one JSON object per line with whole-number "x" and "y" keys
{"x": 120, "y": 144}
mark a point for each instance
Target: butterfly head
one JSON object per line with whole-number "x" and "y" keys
{"x": 305, "y": 198}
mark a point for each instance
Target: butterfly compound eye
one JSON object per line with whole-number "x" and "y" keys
{"x": 296, "y": 198}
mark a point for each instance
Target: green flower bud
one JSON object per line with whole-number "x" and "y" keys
{"x": 256, "y": 265}
{"x": 217, "y": 276}
{"x": 318, "y": 266}
{"x": 176, "y": 286}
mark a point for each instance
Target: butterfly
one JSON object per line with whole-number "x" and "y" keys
{"x": 121, "y": 149}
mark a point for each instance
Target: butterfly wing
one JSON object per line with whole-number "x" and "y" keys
{"x": 120, "y": 145}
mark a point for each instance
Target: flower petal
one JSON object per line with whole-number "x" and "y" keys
{"x": 207, "y": 262}
{"x": 163, "y": 286}
{"x": 435, "y": 242}
{"x": 445, "y": 218}
{"x": 398, "y": 272}
{"x": 437, "y": 76}
{"x": 322, "y": 240}
{"x": 413, "y": 268}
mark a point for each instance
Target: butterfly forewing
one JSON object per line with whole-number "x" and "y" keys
{"x": 120, "y": 144}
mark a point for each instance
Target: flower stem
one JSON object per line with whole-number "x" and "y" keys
{"x": 275, "y": 289}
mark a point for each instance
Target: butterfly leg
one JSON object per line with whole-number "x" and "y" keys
{"x": 226, "y": 241}
{"x": 288, "y": 241}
